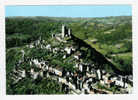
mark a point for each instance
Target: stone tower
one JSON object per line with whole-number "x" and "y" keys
{"x": 69, "y": 32}
{"x": 63, "y": 31}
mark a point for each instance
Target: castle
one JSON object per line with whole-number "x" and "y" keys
{"x": 66, "y": 32}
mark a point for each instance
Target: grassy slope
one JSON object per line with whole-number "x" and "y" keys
{"x": 112, "y": 39}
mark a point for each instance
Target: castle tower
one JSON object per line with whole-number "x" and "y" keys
{"x": 63, "y": 31}
{"x": 69, "y": 32}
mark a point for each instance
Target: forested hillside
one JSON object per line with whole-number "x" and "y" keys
{"x": 109, "y": 38}
{"x": 112, "y": 36}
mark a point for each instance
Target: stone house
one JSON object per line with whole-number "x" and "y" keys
{"x": 68, "y": 50}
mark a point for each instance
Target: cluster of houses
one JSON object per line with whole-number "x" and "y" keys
{"x": 84, "y": 80}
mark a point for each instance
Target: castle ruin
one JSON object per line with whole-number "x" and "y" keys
{"x": 66, "y": 32}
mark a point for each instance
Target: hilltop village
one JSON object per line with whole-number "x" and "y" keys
{"x": 77, "y": 76}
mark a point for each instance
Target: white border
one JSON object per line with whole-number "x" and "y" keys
{"x": 2, "y": 49}
{"x": 68, "y": 2}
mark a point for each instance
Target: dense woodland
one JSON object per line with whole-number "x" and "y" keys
{"x": 110, "y": 36}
